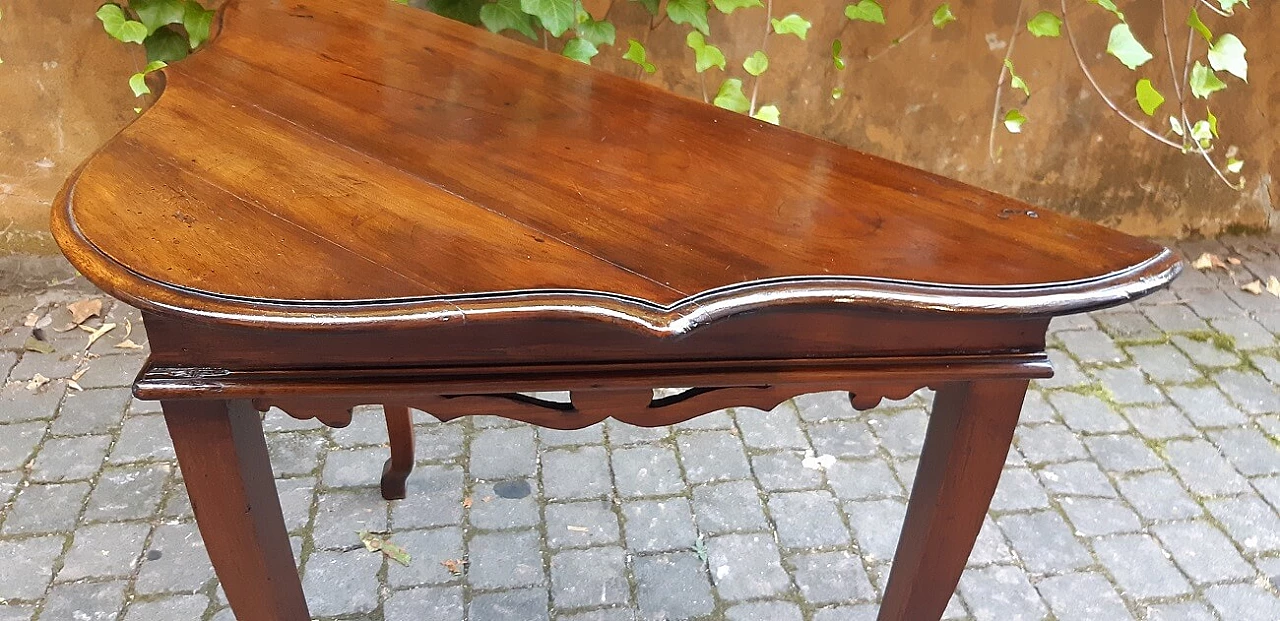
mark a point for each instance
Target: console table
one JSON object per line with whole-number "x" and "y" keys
{"x": 353, "y": 202}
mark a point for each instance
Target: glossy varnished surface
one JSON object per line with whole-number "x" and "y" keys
{"x": 336, "y": 153}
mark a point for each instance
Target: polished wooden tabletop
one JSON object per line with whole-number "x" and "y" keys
{"x": 359, "y": 155}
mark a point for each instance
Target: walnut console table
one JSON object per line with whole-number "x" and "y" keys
{"x": 342, "y": 203}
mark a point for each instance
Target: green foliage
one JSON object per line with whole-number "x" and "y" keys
{"x": 1213, "y": 121}
{"x": 866, "y": 11}
{"x": 156, "y": 13}
{"x": 580, "y": 50}
{"x": 792, "y": 24}
{"x": 138, "y": 81}
{"x": 167, "y": 29}
{"x": 729, "y": 6}
{"x": 1045, "y": 24}
{"x": 597, "y": 32}
{"x": 1016, "y": 80}
{"x": 1125, "y": 47}
{"x": 1193, "y": 20}
{"x": 650, "y": 5}
{"x": 730, "y": 96}
{"x": 757, "y": 63}
{"x": 1230, "y": 5}
{"x": 508, "y": 15}
{"x": 119, "y": 26}
{"x": 166, "y": 45}
{"x": 1013, "y": 121}
{"x": 836, "y": 59}
{"x": 1110, "y": 6}
{"x": 705, "y": 56}
{"x": 1148, "y": 97}
{"x": 555, "y": 15}
{"x": 692, "y": 12}
{"x": 1204, "y": 82}
{"x": 636, "y": 54}
{"x": 943, "y": 16}
{"x": 465, "y": 11}
{"x": 768, "y": 114}
{"x": 1227, "y": 54}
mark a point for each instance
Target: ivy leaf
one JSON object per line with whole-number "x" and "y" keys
{"x": 507, "y": 15}
{"x": 1045, "y": 24}
{"x": 1234, "y": 165}
{"x": 768, "y": 114}
{"x": 597, "y": 32}
{"x": 705, "y": 56}
{"x": 556, "y": 15}
{"x": 756, "y": 63}
{"x": 166, "y": 45}
{"x": 157, "y": 13}
{"x": 865, "y": 10}
{"x": 943, "y": 15}
{"x": 1110, "y": 6}
{"x": 729, "y": 6}
{"x": 1016, "y": 80}
{"x": 580, "y": 50}
{"x": 119, "y": 26}
{"x": 465, "y": 11}
{"x": 636, "y": 54}
{"x": 1175, "y": 126}
{"x": 1230, "y": 5}
{"x": 1227, "y": 54}
{"x": 730, "y": 96}
{"x": 138, "y": 81}
{"x": 792, "y": 24}
{"x": 1204, "y": 82}
{"x": 1193, "y": 20}
{"x": 196, "y": 20}
{"x": 1124, "y": 46}
{"x": 836, "y": 48}
{"x": 1013, "y": 121}
{"x": 837, "y": 93}
{"x": 1202, "y": 134}
{"x": 1213, "y": 122}
{"x": 692, "y": 12}
{"x": 1148, "y": 97}
{"x": 649, "y": 5}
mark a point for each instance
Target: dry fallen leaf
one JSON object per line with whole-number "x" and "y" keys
{"x": 466, "y": 502}
{"x": 1273, "y": 286}
{"x": 79, "y": 373}
{"x": 38, "y": 346}
{"x": 95, "y": 334}
{"x": 1207, "y": 261}
{"x": 455, "y": 567}
{"x": 37, "y": 382}
{"x": 1254, "y": 287}
{"x": 31, "y": 320}
{"x": 578, "y": 529}
{"x": 374, "y": 543}
{"x": 128, "y": 344}
{"x": 74, "y": 385}
{"x": 1233, "y": 261}
{"x": 84, "y": 309}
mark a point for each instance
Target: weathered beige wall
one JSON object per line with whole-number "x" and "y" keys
{"x": 927, "y": 102}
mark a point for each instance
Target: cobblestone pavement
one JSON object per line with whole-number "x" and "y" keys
{"x": 1144, "y": 484}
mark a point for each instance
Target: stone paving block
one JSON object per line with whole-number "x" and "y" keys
{"x": 524, "y": 604}
{"x": 581, "y": 524}
{"x": 168, "y": 609}
{"x": 436, "y": 441}
{"x": 990, "y": 546}
{"x": 15, "y": 612}
{"x": 808, "y": 519}
{"x": 1251, "y": 391}
{"x": 672, "y": 586}
{"x": 1203, "y": 469}
{"x": 863, "y": 612}
{"x": 142, "y": 438}
{"x": 823, "y": 406}
{"x": 843, "y": 439}
{"x": 295, "y": 501}
{"x": 727, "y": 507}
{"x": 1048, "y": 443}
{"x": 764, "y": 611}
{"x": 659, "y": 525}
{"x": 295, "y": 454}
{"x": 1082, "y": 597}
{"x": 1203, "y": 552}
{"x": 620, "y": 613}
{"x": 435, "y": 603}
{"x": 831, "y": 577}
{"x": 434, "y": 498}
{"x": 1185, "y": 611}
{"x": 1079, "y": 321}
{"x": 493, "y": 512}
{"x": 275, "y": 420}
{"x": 1087, "y": 413}
{"x": 1123, "y": 453}
{"x": 368, "y": 428}
{"x": 506, "y": 560}
{"x": 858, "y": 480}
{"x": 17, "y": 404}
{"x": 1159, "y": 423}
{"x": 1066, "y": 372}
{"x": 1206, "y": 352}
{"x": 1091, "y": 346}
{"x": 717, "y": 420}
{"x": 1128, "y": 325}
{"x": 69, "y": 459}
{"x": 1252, "y": 453}
{"x": 92, "y": 411}
{"x": 1164, "y": 363}
{"x": 58, "y": 365}
{"x": 1127, "y": 386}
{"x": 646, "y": 471}
{"x": 341, "y": 514}
{"x": 1140, "y": 567}
{"x": 341, "y": 583}
{"x": 1253, "y": 525}
{"x": 712, "y": 456}
{"x": 27, "y": 566}
{"x": 901, "y": 433}
{"x": 572, "y": 437}
{"x": 1159, "y": 496}
{"x": 1044, "y": 542}
{"x": 622, "y": 434}
{"x": 104, "y": 550}
{"x": 1001, "y": 593}
{"x": 1175, "y": 318}
{"x": 784, "y": 472}
{"x": 576, "y": 473}
{"x": 1243, "y": 602}
{"x": 17, "y": 443}
{"x": 107, "y": 371}
{"x": 1036, "y": 409}
{"x": 138, "y": 406}
{"x": 746, "y": 566}
{"x": 1206, "y": 406}
{"x": 776, "y": 429}
{"x": 1093, "y": 517}
{"x": 7, "y": 360}
{"x": 130, "y": 493}
{"x": 876, "y": 525}
{"x": 8, "y": 485}
{"x": 1077, "y": 478}
{"x": 1247, "y": 333}
{"x": 353, "y": 468}
{"x": 503, "y": 453}
{"x": 176, "y": 561}
{"x": 46, "y": 508}
{"x": 591, "y": 577}
{"x": 85, "y": 601}
{"x": 428, "y": 549}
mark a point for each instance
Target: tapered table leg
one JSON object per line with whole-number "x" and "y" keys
{"x": 224, "y": 461}
{"x": 397, "y": 468}
{"x": 965, "y": 447}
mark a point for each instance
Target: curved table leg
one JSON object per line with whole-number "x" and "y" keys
{"x": 223, "y": 456}
{"x": 969, "y": 435}
{"x": 400, "y": 432}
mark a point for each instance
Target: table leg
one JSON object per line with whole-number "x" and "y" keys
{"x": 224, "y": 461}
{"x": 965, "y": 447}
{"x": 400, "y": 436}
